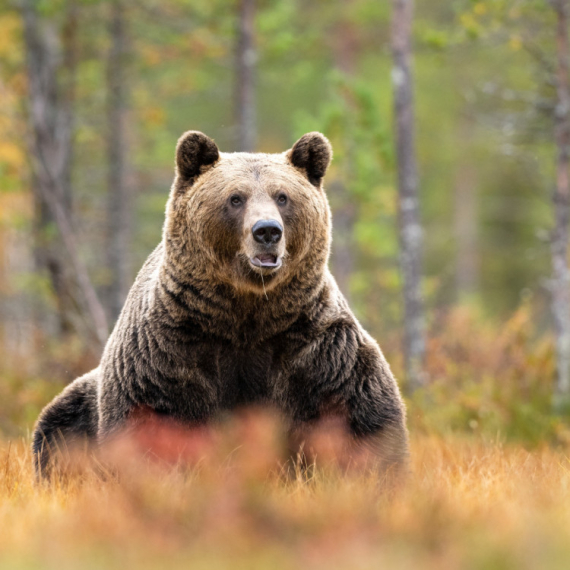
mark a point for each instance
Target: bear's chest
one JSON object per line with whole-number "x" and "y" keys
{"x": 243, "y": 376}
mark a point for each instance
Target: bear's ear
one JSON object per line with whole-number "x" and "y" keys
{"x": 312, "y": 153}
{"x": 194, "y": 153}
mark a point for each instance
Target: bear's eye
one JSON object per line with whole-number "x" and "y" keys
{"x": 236, "y": 200}
{"x": 282, "y": 199}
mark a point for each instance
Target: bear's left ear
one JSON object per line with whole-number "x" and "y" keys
{"x": 194, "y": 153}
{"x": 311, "y": 153}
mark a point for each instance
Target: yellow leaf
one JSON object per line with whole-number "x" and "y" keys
{"x": 515, "y": 43}
{"x": 151, "y": 55}
{"x": 480, "y": 8}
{"x": 11, "y": 154}
{"x": 468, "y": 21}
{"x": 154, "y": 116}
{"x": 10, "y": 29}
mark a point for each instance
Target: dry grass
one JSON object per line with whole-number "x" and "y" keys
{"x": 477, "y": 498}
{"x": 466, "y": 505}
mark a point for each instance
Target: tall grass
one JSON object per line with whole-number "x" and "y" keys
{"x": 465, "y": 505}
{"x": 488, "y": 488}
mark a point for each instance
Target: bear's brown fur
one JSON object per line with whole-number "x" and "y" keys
{"x": 223, "y": 315}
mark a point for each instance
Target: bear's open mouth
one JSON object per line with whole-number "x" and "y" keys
{"x": 266, "y": 260}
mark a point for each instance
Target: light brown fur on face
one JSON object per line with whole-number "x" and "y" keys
{"x": 206, "y": 330}
{"x": 203, "y": 221}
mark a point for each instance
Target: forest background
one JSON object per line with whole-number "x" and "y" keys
{"x": 105, "y": 88}
{"x": 123, "y": 84}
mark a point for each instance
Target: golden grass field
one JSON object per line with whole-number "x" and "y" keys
{"x": 466, "y": 505}
{"x": 489, "y": 486}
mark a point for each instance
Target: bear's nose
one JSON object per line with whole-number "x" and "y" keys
{"x": 267, "y": 232}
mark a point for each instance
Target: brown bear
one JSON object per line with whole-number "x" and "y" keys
{"x": 236, "y": 306}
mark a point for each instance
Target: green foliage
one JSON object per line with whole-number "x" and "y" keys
{"x": 180, "y": 76}
{"x": 482, "y": 72}
{"x": 493, "y": 383}
{"x": 363, "y": 164}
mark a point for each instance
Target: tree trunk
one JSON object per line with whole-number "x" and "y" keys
{"x": 246, "y": 58}
{"x": 50, "y": 145}
{"x": 68, "y": 83}
{"x": 344, "y": 47}
{"x": 119, "y": 211}
{"x": 51, "y": 141}
{"x": 561, "y": 203}
{"x": 409, "y": 223}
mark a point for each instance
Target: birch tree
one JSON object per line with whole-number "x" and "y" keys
{"x": 410, "y": 230}
{"x": 540, "y": 28}
{"x": 561, "y": 203}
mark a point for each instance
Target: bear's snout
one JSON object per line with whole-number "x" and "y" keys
{"x": 267, "y": 232}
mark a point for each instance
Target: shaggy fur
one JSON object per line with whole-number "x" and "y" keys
{"x": 204, "y": 330}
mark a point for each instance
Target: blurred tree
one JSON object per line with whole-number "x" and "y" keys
{"x": 50, "y": 113}
{"x": 246, "y": 57}
{"x": 345, "y": 50}
{"x": 484, "y": 136}
{"x": 410, "y": 228}
{"x": 16, "y": 310}
{"x": 561, "y": 203}
{"x": 529, "y": 26}
{"x": 119, "y": 207}
{"x": 52, "y": 124}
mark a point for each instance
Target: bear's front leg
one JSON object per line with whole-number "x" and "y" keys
{"x": 343, "y": 395}
{"x": 376, "y": 413}
{"x": 126, "y": 403}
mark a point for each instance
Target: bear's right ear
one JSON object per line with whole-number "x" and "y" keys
{"x": 195, "y": 152}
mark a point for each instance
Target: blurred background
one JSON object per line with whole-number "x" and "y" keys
{"x": 94, "y": 94}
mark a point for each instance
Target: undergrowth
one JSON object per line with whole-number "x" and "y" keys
{"x": 489, "y": 485}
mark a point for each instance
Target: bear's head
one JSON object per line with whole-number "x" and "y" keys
{"x": 253, "y": 221}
